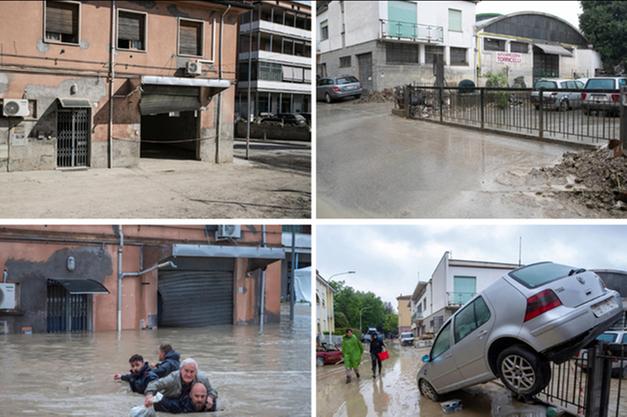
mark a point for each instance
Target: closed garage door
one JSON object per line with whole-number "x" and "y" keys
{"x": 198, "y": 293}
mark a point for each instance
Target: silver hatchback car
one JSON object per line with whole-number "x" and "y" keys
{"x": 512, "y": 330}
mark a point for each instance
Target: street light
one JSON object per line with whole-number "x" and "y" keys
{"x": 328, "y": 317}
{"x": 341, "y": 273}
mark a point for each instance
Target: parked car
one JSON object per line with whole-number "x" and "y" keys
{"x": 328, "y": 355}
{"x": 307, "y": 117}
{"x": 335, "y": 88}
{"x": 370, "y": 333}
{"x": 554, "y": 99}
{"x": 407, "y": 339}
{"x": 607, "y": 101}
{"x": 617, "y": 339}
{"x": 513, "y": 329}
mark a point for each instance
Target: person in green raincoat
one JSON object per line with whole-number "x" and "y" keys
{"x": 352, "y": 349}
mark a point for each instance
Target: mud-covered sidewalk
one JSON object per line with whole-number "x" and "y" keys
{"x": 158, "y": 188}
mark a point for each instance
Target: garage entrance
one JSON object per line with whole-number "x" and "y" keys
{"x": 199, "y": 292}
{"x": 170, "y": 122}
{"x": 545, "y": 65}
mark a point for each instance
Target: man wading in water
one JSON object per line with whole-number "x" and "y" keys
{"x": 376, "y": 347}
{"x": 352, "y": 349}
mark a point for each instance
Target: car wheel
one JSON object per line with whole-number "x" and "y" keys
{"x": 327, "y": 98}
{"x": 358, "y": 96}
{"x": 564, "y": 105}
{"x": 428, "y": 391}
{"x": 319, "y": 361}
{"x": 522, "y": 371}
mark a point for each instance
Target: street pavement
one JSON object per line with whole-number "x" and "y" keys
{"x": 371, "y": 163}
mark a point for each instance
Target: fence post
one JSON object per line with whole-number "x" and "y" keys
{"x": 406, "y": 100}
{"x": 599, "y": 380}
{"x": 482, "y": 101}
{"x": 623, "y": 118}
{"x": 541, "y": 116}
{"x": 441, "y": 90}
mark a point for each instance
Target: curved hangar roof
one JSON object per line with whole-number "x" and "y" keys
{"x": 534, "y": 25}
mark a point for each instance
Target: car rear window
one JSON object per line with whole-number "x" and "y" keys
{"x": 622, "y": 82}
{"x": 536, "y": 275}
{"x": 546, "y": 84}
{"x": 625, "y": 339}
{"x": 600, "y": 84}
{"x": 346, "y": 80}
{"x": 607, "y": 337}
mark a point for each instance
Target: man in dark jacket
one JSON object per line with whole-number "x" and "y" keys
{"x": 140, "y": 374}
{"x": 169, "y": 361}
{"x": 193, "y": 402}
{"x": 376, "y": 347}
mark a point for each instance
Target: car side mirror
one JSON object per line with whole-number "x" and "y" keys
{"x": 426, "y": 358}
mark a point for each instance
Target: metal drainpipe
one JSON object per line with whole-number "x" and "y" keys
{"x": 293, "y": 290}
{"x": 219, "y": 103}
{"x": 250, "y": 53}
{"x": 120, "y": 276}
{"x": 111, "y": 80}
{"x": 262, "y": 301}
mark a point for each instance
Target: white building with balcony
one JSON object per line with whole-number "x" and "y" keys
{"x": 275, "y": 40}
{"x": 453, "y": 283}
{"x": 390, "y": 43}
{"x": 324, "y": 306}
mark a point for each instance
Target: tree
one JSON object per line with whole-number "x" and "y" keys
{"x": 604, "y": 23}
{"x": 347, "y": 304}
{"x": 391, "y": 323}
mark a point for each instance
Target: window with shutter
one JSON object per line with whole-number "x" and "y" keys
{"x": 190, "y": 37}
{"x": 131, "y": 30}
{"x": 62, "y": 21}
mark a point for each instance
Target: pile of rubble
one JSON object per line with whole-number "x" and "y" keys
{"x": 600, "y": 178}
{"x": 385, "y": 96}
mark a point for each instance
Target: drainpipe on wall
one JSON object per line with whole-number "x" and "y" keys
{"x": 262, "y": 300}
{"x": 219, "y": 103}
{"x": 293, "y": 290}
{"x": 111, "y": 79}
{"x": 120, "y": 276}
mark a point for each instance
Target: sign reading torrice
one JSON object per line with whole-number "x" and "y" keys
{"x": 508, "y": 58}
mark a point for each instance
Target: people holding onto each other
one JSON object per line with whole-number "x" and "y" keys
{"x": 179, "y": 383}
{"x": 139, "y": 376}
{"x": 168, "y": 361}
{"x": 195, "y": 402}
{"x": 376, "y": 346}
{"x": 352, "y": 349}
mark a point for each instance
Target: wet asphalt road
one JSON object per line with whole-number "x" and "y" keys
{"x": 373, "y": 164}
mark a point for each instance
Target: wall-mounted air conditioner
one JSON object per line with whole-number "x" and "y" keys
{"x": 229, "y": 231}
{"x": 7, "y": 296}
{"x": 15, "y": 108}
{"x": 193, "y": 67}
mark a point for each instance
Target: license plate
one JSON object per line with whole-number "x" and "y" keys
{"x": 599, "y": 98}
{"x": 351, "y": 87}
{"x": 604, "y": 307}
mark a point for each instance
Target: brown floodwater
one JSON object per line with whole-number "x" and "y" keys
{"x": 72, "y": 375}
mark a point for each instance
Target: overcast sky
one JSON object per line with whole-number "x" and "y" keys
{"x": 389, "y": 259}
{"x": 567, "y": 10}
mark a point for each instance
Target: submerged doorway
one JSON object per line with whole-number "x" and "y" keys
{"x": 170, "y": 135}
{"x": 67, "y": 312}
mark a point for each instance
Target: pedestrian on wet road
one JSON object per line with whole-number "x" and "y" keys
{"x": 352, "y": 349}
{"x": 376, "y": 346}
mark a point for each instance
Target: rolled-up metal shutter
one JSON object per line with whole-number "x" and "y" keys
{"x": 189, "y": 38}
{"x": 61, "y": 17}
{"x": 130, "y": 26}
{"x": 198, "y": 293}
{"x": 158, "y": 99}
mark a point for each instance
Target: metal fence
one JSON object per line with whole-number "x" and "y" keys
{"x": 543, "y": 114}
{"x": 590, "y": 384}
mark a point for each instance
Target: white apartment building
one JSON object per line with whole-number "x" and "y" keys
{"x": 453, "y": 283}
{"x": 275, "y": 39}
{"x": 324, "y": 306}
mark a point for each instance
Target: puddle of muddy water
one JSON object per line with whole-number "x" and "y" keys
{"x": 72, "y": 375}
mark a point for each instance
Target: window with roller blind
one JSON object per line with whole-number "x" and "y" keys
{"x": 62, "y": 21}
{"x": 190, "y": 37}
{"x": 131, "y": 30}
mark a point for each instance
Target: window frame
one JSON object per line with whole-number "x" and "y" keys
{"x": 466, "y": 62}
{"x": 461, "y": 21}
{"x": 448, "y": 323}
{"x": 346, "y": 58}
{"x": 202, "y": 38}
{"x": 474, "y": 311}
{"x": 324, "y": 24}
{"x": 117, "y": 28}
{"x": 518, "y": 43}
{"x": 494, "y": 39}
{"x": 53, "y": 41}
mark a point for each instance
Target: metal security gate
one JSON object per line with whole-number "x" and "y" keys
{"x": 67, "y": 312}
{"x": 365, "y": 71}
{"x": 198, "y": 293}
{"x": 545, "y": 65}
{"x": 72, "y": 137}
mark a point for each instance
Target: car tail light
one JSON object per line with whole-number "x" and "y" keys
{"x": 336, "y": 89}
{"x": 541, "y": 303}
{"x": 615, "y": 98}
{"x": 583, "y": 96}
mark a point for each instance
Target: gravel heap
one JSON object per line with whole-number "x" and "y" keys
{"x": 385, "y": 96}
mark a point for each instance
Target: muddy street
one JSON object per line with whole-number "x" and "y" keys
{"x": 65, "y": 375}
{"x": 420, "y": 169}
{"x": 395, "y": 392}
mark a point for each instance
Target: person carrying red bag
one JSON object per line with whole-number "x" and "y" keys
{"x": 376, "y": 347}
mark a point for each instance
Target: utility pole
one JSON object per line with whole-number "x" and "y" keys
{"x": 519, "y": 250}
{"x": 293, "y": 290}
{"x": 250, "y": 53}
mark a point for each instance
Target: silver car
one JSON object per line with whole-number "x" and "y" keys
{"x": 512, "y": 330}
{"x": 553, "y": 98}
{"x": 334, "y": 88}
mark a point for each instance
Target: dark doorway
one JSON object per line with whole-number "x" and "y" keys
{"x": 365, "y": 71}
{"x": 170, "y": 135}
{"x": 67, "y": 312}
{"x": 545, "y": 65}
{"x": 72, "y": 138}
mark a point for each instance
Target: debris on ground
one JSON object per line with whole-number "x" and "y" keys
{"x": 385, "y": 96}
{"x": 451, "y": 406}
{"x": 596, "y": 179}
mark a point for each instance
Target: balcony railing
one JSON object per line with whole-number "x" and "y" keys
{"x": 417, "y": 315}
{"x": 459, "y": 298}
{"x": 395, "y": 29}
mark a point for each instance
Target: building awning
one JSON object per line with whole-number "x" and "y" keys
{"x": 81, "y": 286}
{"x": 553, "y": 49}
{"x": 74, "y": 103}
{"x": 175, "y": 94}
{"x": 186, "y": 82}
{"x": 258, "y": 257}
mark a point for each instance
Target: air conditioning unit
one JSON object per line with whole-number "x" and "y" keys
{"x": 229, "y": 231}
{"x": 7, "y": 296}
{"x": 15, "y": 108}
{"x": 193, "y": 67}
